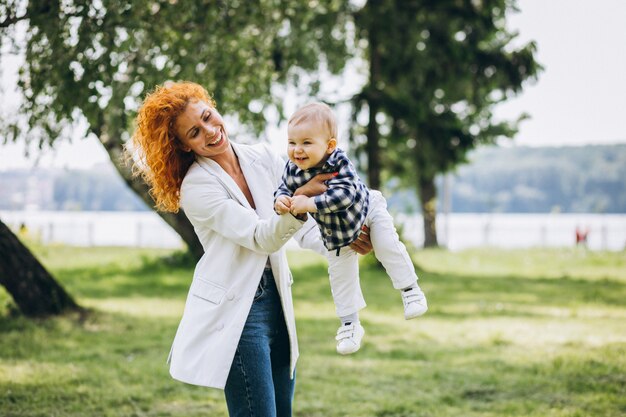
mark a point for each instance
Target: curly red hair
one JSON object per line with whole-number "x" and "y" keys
{"x": 158, "y": 157}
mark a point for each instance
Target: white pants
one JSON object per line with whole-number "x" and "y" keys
{"x": 343, "y": 269}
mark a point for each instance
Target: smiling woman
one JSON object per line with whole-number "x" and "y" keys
{"x": 238, "y": 329}
{"x": 206, "y": 136}
{"x": 162, "y": 161}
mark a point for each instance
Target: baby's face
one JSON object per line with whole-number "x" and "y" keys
{"x": 309, "y": 146}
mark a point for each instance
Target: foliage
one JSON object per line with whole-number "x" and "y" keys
{"x": 515, "y": 333}
{"x": 97, "y": 59}
{"x": 93, "y": 61}
{"x": 435, "y": 75}
{"x": 436, "y": 68}
{"x": 443, "y": 68}
{"x": 586, "y": 179}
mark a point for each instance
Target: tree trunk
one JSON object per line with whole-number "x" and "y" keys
{"x": 178, "y": 221}
{"x": 373, "y": 134}
{"x": 373, "y": 148}
{"x": 428, "y": 198}
{"x": 34, "y": 290}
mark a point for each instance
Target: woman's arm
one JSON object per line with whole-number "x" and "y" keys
{"x": 316, "y": 185}
{"x": 309, "y": 236}
{"x": 209, "y": 207}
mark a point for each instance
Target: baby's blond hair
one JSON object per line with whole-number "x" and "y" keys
{"x": 318, "y": 113}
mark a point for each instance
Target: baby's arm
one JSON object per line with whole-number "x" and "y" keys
{"x": 282, "y": 195}
{"x": 282, "y": 204}
{"x": 303, "y": 204}
{"x": 304, "y": 196}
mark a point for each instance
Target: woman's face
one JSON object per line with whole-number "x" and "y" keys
{"x": 200, "y": 129}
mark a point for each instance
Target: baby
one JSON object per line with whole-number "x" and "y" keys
{"x": 340, "y": 212}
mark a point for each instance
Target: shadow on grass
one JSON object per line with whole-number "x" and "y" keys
{"x": 154, "y": 277}
{"x": 450, "y": 295}
{"x": 489, "y": 295}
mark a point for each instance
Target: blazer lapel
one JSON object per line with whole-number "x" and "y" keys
{"x": 216, "y": 170}
{"x": 257, "y": 175}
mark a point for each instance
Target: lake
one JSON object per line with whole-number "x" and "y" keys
{"x": 457, "y": 231}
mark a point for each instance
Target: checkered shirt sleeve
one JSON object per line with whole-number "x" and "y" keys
{"x": 292, "y": 179}
{"x": 288, "y": 185}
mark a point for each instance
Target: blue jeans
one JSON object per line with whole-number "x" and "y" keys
{"x": 259, "y": 383}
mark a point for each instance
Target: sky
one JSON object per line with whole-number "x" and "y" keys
{"x": 579, "y": 99}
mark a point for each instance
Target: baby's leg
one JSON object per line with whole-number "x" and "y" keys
{"x": 392, "y": 253}
{"x": 388, "y": 248}
{"x": 343, "y": 270}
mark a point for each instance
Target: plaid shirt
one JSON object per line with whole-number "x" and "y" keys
{"x": 342, "y": 209}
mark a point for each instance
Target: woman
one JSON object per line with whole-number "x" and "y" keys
{"x": 238, "y": 329}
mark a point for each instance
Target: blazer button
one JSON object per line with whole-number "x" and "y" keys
{"x": 329, "y": 232}
{"x": 231, "y": 297}
{"x": 220, "y": 327}
{"x": 292, "y": 230}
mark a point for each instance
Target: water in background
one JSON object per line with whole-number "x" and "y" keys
{"x": 457, "y": 231}
{"x": 463, "y": 230}
{"x": 95, "y": 228}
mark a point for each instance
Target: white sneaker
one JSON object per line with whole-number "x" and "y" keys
{"x": 414, "y": 302}
{"x": 349, "y": 338}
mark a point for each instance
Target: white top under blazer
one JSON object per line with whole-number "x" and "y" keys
{"x": 237, "y": 242}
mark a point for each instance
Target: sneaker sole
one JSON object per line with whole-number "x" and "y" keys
{"x": 419, "y": 313}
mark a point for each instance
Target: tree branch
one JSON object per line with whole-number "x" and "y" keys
{"x": 11, "y": 20}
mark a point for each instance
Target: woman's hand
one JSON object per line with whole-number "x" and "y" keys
{"x": 362, "y": 245}
{"x": 316, "y": 185}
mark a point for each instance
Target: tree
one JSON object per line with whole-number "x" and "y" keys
{"x": 90, "y": 63}
{"x": 436, "y": 74}
{"x": 34, "y": 290}
{"x": 93, "y": 61}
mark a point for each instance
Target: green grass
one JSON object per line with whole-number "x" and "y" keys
{"x": 508, "y": 333}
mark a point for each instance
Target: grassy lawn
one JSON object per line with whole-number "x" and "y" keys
{"x": 509, "y": 333}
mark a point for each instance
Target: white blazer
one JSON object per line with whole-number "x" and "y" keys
{"x": 237, "y": 242}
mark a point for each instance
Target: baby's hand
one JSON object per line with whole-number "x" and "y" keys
{"x": 302, "y": 204}
{"x": 282, "y": 205}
